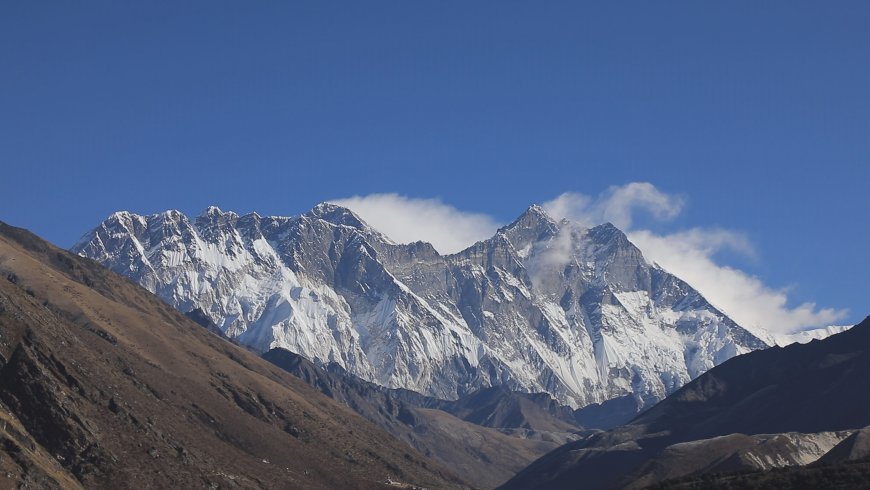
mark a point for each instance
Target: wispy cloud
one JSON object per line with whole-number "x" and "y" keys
{"x": 616, "y": 205}
{"x": 405, "y": 220}
{"x": 689, "y": 254}
{"x": 745, "y": 298}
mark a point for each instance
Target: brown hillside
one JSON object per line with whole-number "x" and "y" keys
{"x": 102, "y": 385}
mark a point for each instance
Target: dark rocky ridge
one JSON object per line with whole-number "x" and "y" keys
{"x": 485, "y": 445}
{"x": 102, "y": 385}
{"x": 812, "y": 388}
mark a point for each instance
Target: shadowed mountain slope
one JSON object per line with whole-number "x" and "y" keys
{"x": 501, "y": 408}
{"x": 846, "y": 466}
{"x": 485, "y": 456}
{"x": 102, "y": 385}
{"x": 805, "y": 389}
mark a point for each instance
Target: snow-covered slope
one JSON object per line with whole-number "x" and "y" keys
{"x": 804, "y": 336}
{"x": 541, "y": 306}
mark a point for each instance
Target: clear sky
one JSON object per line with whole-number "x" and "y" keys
{"x": 755, "y": 115}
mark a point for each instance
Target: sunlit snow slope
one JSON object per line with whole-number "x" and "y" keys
{"x": 542, "y": 306}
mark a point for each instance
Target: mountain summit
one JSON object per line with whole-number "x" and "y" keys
{"x": 542, "y": 306}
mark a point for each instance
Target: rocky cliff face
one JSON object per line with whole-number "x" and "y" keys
{"x": 542, "y": 306}
{"x": 768, "y": 409}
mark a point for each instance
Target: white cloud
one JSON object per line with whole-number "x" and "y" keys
{"x": 405, "y": 220}
{"x": 746, "y": 299}
{"x": 689, "y": 254}
{"x": 616, "y": 205}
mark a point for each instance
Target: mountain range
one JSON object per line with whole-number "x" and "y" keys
{"x": 542, "y": 306}
{"x": 104, "y": 385}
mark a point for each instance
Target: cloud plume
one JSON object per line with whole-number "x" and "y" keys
{"x": 405, "y": 220}
{"x": 616, "y": 205}
{"x": 745, "y": 298}
{"x": 689, "y": 254}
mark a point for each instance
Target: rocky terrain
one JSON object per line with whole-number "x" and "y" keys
{"x": 777, "y": 407}
{"x": 102, "y": 385}
{"x": 485, "y": 437}
{"x": 846, "y": 466}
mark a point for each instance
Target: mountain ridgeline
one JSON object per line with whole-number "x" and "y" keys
{"x": 485, "y": 437}
{"x": 103, "y": 385}
{"x": 543, "y": 306}
{"x": 780, "y": 407}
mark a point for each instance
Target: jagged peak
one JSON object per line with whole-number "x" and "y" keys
{"x": 533, "y": 217}
{"x": 212, "y": 212}
{"x": 530, "y": 227}
{"x": 327, "y": 207}
{"x": 539, "y": 210}
{"x": 421, "y": 247}
{"x": 124, "y": 219}
{"x": 169, "y": 214}
{"x": 608, "y": 233}
{"x": 337, "y": 215}
{"x": 607, "y": 226}
{"x": 119, "y": 220}
{"x": 120, "y": 215}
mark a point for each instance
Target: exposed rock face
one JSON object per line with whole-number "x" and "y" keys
{"x": 543, "y": 306}
{"x": 484, "y": 450}
{"x": 771, "y": 408}
{"x": 102, "y": 385}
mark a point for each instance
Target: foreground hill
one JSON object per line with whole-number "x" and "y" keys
{"x": 770, "y": 408}
{"x": 485, "y": 437}
{"x": 102, "y": 385}
{"x": 845, "y": 476}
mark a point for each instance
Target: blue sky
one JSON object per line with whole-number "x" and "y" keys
{"x": 755, "y": 115}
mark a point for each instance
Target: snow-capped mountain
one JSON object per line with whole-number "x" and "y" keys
{"x": 542, "y": 306}
{"x": 804, "y": 336}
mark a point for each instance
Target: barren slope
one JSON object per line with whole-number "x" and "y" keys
{"x": 104, "y": 385}
{"x": 484, "y": 456}
{"x": 799, "y": 392}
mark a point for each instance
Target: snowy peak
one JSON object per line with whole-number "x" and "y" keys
{"x": 337, "y": 215}
{"x": 805, "y": 336}
{"x": 533, "y": 218}
{"x": 212, "y": 211}
{"x": 542, "y": 306}
{"x": 606, "y": 233}
{"x": 124, "y": 222}
{"x": 214, "y": 225}
{"x": 214, "y": 216}
{"x": 531, "y": 227}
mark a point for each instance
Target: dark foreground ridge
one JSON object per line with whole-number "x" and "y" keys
{"x": 485, "y": 437}
{"x": 102, "y": 385}
{"x": 738, "y": 417}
